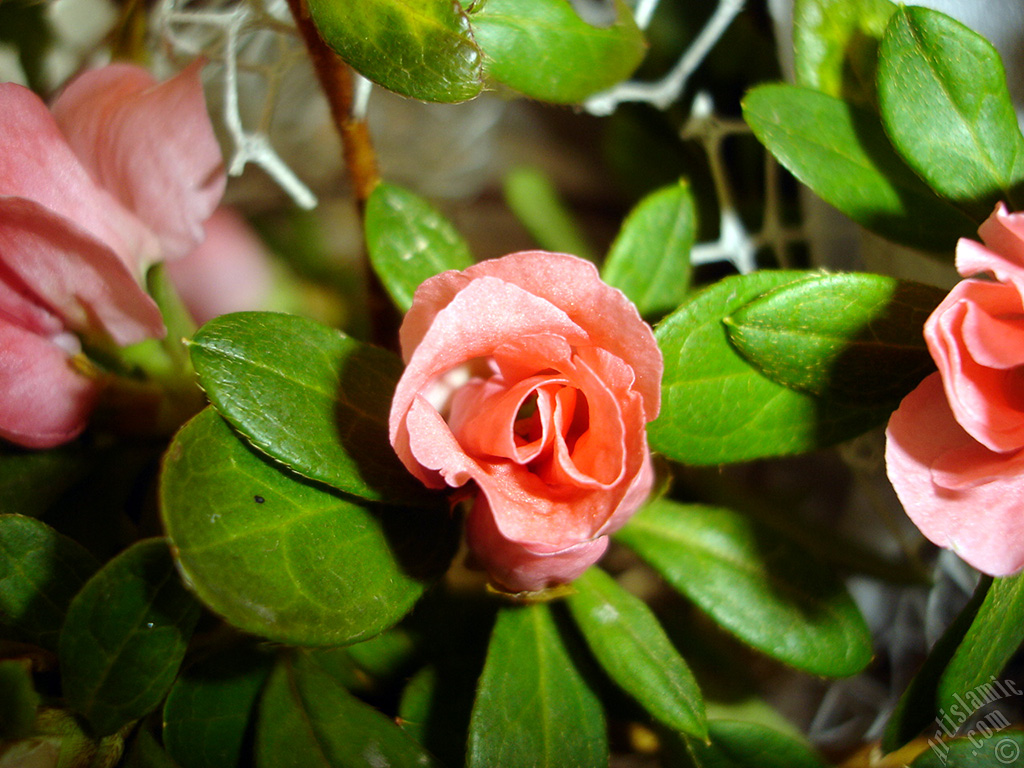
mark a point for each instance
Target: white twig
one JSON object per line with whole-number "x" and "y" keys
{"x": 644, "y": 11}
{"x": 664, "y": 92}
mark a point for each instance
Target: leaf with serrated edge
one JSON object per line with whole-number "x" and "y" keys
{"x": 717, "y": 408}
{"x": 529, "y": 689}
{"x": 125, "y": 636}
{"x": 763, "y": 588}
{"x": 634, "y": 650}
{"x": 309, "y": 397}
{"x": 650, "y": 258}
{"x": 408, "y": 240}
{"x": 288, "y": 559}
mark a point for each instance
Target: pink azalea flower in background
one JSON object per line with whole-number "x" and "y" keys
{"x": 955, "y": 446}
{"x": 121, "y": 174}
{"x": 530, "y": 377}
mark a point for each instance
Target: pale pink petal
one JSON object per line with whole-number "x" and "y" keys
{"x": 36, "y": 163}
{"x": 152, "y": 145}
{"x": 230, "y": 271}
{"x": 979, "y": 518}
{"x": 609, "y": 319}
{"x": 1003, "y": 233}
{"x": 74, "y": 275}
{"x": 44, "y": 402}
{"x": 519, "y": 569}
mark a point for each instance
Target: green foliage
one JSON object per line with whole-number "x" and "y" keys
{"x": 650, "y": 258}
{"x": 529, "y": 691}
{"x": 288, "y": 559}
{"x": 125, "y": 636}
{"x": 308, "y": 396}
{"x": 544, "y": 50}
{"x": 408, "y": 240}
{"x": 841, "y": 152}
{"x": 853, "y": 337}
{"x": 740, "y": 744}
{"x": 945, "y": 105}
{"x": 835, "y": 46}
{"x": 631, "y": 646}
{"x": 307, "y": 718}
{"x": 718, "y": 408}
{"x": 18, "y": 700}
{"x": 754, "y": 582}
{"x": 211, "y": 707}
{"x": 985, "y": 747}
{"x": 40, "y": 572}
{"x": 535, "y": 201}
{"x": 423, "y": 50}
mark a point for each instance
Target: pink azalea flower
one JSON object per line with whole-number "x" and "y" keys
{"x": 121, "y": 174}
{"x": 534, "y": 380}
{"x": 954, "y": 447}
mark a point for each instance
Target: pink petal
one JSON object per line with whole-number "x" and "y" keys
{"x": 230, "y": 271}
{"x": 609, "y": 319}
{"x": 152, "y": 145}
{"x": 73, "y": 274}
{"x": 1003, "y": 233}
{"x": 518, "y": 568}
{"x": 36, "y": 163}
{"x": 44, "y": 402}
{"x": 978, "y": 515}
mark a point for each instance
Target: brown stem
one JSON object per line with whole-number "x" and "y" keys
{"x": 336, "y": 80}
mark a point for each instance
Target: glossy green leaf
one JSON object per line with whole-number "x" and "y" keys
{"x": 422, "y": 49}
{"x": 754, "y": 582}
{"x": 985, "y": 745}
{"x": 125, "y": 636}
{"x": 308, "y": 719}
{"x": 916, "y": 709}
{"x": 856, "y": 337}
{"x": 145, "y": 752}
{"x": 718, "y": 408}
{"x": 742, "y": 744}
{"x": 40, "y": 572}
{"x": 408, "y": 240}
{"x": 650, "y": 258}
{"x": 308, "y": 396}
{"x": 634, "y": 650}
{"x": 529, "y": 691}
{"x": 842, "y": 153}
{"x": 212, "y": 705}
{"x": 536, "y": 203}
{"x": 945, "y": 105}
{"x": 287, "y": 559}
{"x": 18, "y": 700}
{"x": 835, "y": 46}
{"x": 970, "y": 680}
{"x": 543, "y": 49}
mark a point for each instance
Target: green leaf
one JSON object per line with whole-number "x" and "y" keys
{"x": 760, "y": 586}
{"x": 40, "y": 572}
{"x": 308, "y": 396}
{"x": 634, "y": 650}
{"x": 18, "y": 700}
{"x": 31, "y": 482}
{"x": 536, "y": 203}
{"x": 422, "y": 49}
{"x": 308, "y": 719}
{"x": 650, "y": 258}
{"x": 26, "y": 25}
{"x": 125, "y": 636}
{"x": 287, "y": 559}
{"x": 842, "y": 153}
{"x": 145, "y": 752}
{"x": 987, "y": 745}
{"x": 211, "y": 706}
{"x": 916, "y": 709}
{"x": 717, "y": 408}
{"x": 835, "y": 45}
{"x": 543, "y": 49}
{"x": 742, "y": 744}
{"x": 994, "y": 636}
{"x": 945, "y": 105}
{"x": 854, "y": 337}
{"x": 529, "y": 691}
{"x": 408, "y": 240}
